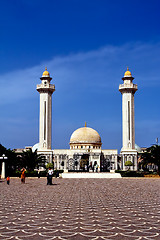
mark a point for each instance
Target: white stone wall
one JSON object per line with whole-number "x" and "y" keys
{"x": 48, "y": 154}
{"x": 67, "y": 156}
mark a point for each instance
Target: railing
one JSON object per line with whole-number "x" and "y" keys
{"x": 51, "y": 86}
{"x": 128, "y": 85}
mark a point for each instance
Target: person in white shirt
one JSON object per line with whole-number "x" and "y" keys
{"x": 49, "y": 177}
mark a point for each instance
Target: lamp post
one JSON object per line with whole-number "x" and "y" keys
{"x": 3, "y": 175}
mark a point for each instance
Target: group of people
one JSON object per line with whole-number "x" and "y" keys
{"x": 94, "y": 168}
{"x": 49, "y": 176}
{"x": 23, "y": 176}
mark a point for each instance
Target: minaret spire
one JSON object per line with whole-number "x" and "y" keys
{"x": 45, "y": 118}
{"x": 128, "y": 90}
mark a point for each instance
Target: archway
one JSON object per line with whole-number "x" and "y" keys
{"x": 84, "y": 162}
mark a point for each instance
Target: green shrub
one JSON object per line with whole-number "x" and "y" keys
{"x": 42, "y": 174}
{"x": 57, "y": 172}
{"x": 49, "y": 165}
{"x": 29, "y": 174}
{"x": 16, "y": 173}
{"x": 130, "y": 173}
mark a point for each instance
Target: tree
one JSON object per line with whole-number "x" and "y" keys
{"x": 145, "y": 159}
{"x": 49, "y": 165}
{"x": 32, "y": 160}
{"x": 12, "y": 161}
{"x": 154, "y": 156}
{"x": 128, "y": 164}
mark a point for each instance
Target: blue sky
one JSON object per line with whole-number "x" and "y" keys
{"x": 86, "y": 46}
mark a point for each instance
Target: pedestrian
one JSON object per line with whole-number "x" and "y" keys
{"x": 8, "y": 180}
{"x": 96, "y": 167}
{"x": 49, "y": 176}
{"x": 38, "y": 173}
{"x": 23, "y": 176}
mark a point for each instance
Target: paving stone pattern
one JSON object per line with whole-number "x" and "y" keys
{"x": 118, "y": 209}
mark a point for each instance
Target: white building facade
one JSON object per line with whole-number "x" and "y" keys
{"x": 85, "y": 153}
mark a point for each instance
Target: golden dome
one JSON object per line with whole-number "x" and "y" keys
{"x": 127, "y": 73}
{"x": 85, "y": 135}
{"x": 45, "y": 73}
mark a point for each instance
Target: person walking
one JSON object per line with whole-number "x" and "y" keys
{"x": 8, "y": 180}
{"x": 23, "y": 176}
{"x": 49, "y": 177}
{"x": 38, "y": 173}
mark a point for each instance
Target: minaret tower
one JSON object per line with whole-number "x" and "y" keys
{"x": 45, "y": 118}
{"x": 128, "y": 90}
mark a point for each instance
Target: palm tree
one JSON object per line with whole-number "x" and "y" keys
{"x": 32, "y": 160}
{"x": 152, "y": 155}
{"x": 155, "y": 156}
{"x": 12, "y": 161}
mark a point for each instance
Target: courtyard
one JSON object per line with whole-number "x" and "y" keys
{"x": 118, "y": 209}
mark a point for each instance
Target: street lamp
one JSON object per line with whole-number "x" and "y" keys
{"x": 3, "y": 175}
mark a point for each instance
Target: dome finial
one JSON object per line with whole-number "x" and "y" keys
{"x": 45, "y": 73}
{"x": 85, "y": 124}
{"x": 127, "y": 73}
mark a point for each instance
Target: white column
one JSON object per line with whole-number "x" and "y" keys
{"x": 3, "y": 174}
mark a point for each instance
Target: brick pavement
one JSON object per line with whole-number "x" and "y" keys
{"x": 118, "y": 209}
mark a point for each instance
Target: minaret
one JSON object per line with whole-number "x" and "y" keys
{"x": 45, "y": 117}
{"x": 128, "y": 90}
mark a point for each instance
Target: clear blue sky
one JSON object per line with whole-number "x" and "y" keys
{"x": 86, "y": 46}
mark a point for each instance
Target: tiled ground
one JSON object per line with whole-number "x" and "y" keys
{"x": 118, "y": 209}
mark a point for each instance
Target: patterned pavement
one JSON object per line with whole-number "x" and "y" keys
{"x": 79, "y": 209}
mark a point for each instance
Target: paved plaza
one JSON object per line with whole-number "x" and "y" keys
{"x": 80, "y": 209}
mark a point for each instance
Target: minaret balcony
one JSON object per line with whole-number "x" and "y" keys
{"x": 128, "y": 87}
{"x": 45, "y": 87}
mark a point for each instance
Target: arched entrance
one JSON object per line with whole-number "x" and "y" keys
{"x": 84, "y": 162}
{"x": 105, "y": 163}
